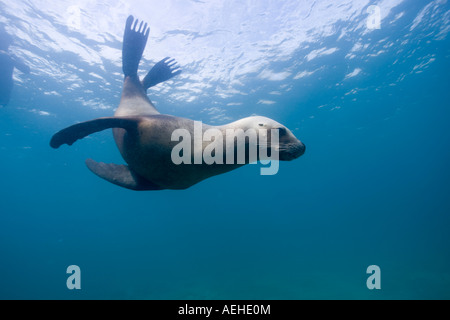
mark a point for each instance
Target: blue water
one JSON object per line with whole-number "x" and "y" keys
{"x": 371, "y": 105}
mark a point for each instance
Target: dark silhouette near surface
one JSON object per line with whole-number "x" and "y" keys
{"x": 7, "y": 64}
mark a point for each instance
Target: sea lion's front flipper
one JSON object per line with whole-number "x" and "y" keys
{"x": 120, "y": 175}
{"x": 80, "y": 130}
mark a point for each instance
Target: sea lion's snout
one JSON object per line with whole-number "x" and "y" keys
{"x": 292, "y": 151}
{"x": 300, "y": 150}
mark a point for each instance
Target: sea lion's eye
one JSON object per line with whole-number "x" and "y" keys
{"x": 282, "y": 131}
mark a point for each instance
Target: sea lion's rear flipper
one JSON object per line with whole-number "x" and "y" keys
{"x": 164, "y": 70}
{"x": 120, "y": 175}
{"x": 80, "y": 130}
{"x": 134, "y": 41}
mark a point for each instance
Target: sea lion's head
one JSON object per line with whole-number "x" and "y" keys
{"x": 276, "y": 137}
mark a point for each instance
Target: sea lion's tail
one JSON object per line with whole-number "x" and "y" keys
{"x": 134, "y": 41}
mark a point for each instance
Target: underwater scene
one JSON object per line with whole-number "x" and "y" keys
{"x": 355, "y": 95}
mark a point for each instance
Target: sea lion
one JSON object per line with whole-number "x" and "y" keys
{"x": 147, "y": 141}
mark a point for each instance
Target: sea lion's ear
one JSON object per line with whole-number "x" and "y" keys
{"x": 120, "y": 175}
{"x": 80, "y": 130}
